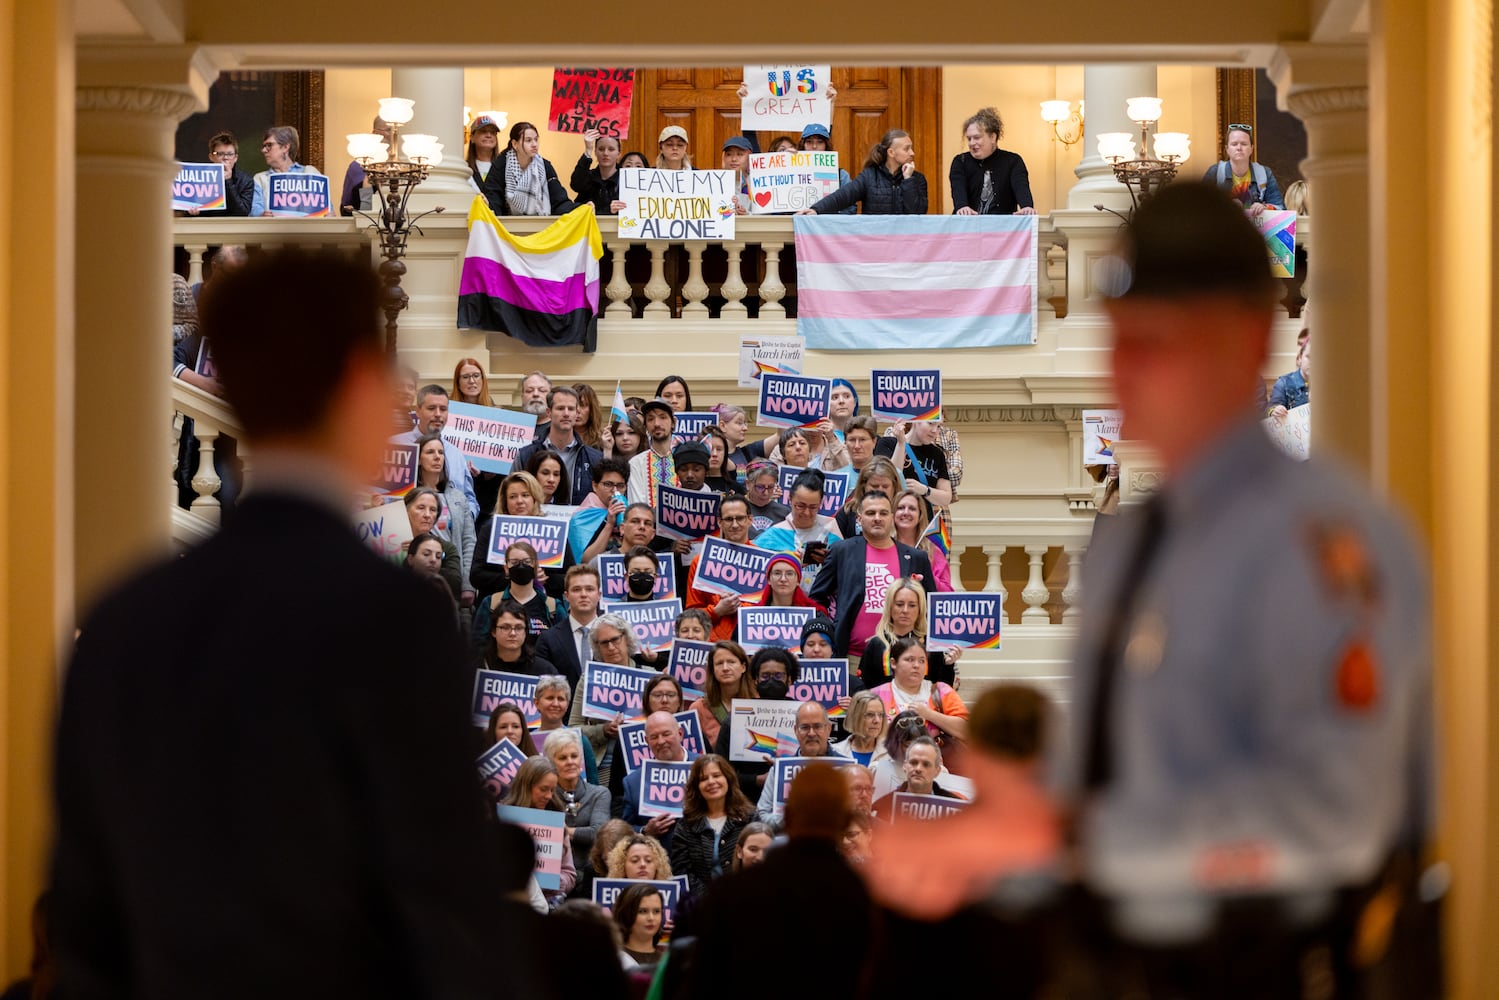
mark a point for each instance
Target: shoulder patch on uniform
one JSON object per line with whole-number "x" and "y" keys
{"x": 1358, "y": 677}
{"x": 1345, "y": 563}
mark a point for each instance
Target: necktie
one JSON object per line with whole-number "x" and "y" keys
{"x": 1098, "y": 766}
{"x": 580, "y": 640}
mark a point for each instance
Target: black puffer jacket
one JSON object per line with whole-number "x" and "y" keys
{"x": 881, "y": 192}
{"x": 692, "y": 849}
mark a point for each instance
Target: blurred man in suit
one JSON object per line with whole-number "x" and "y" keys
{"x": 264, "y": 785}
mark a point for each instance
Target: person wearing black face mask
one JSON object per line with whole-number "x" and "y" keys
{"x": 772, "y": 670}
{"x": 640, "y": 573}
{"x": 542, "y": 611}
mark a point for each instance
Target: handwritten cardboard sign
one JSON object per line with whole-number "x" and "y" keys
{"x": 663, "y": 785}
{"x": 761, "y": 729}
{"x": 637, "y": 751}
{"x": 494, "y": 686}
{"x": 822, "y": 681}
{"x": 489, "y": 436}
{"x": 609, "y": 689}
{"x": 761, "y": 626}
{"x": 730, "y": 568}
{"x": 683, "y": 205}
{"x": 616, "y": 586}
{"x": 1100, "y": 434}
{"x": 786, "y": 97}
{"x": 386, "y": 529}
{"x": 655, "y": 621}
{"x": 793, "y": 400}
{"x": 686, "y": 514}
{"x": 547, "y": 830}
{"x": 785, "y": 769}
{"x": 790, "y": 181}
{"x": 585, "y": 99}
{"x": 964, "y": 621}
{"x": 688, "y": 662}
{"x": 906, "y": 395}
{"x": 1293, "y": 433}
{"x": 198, "y": 185}
{"x": 909, "y": 805}
{"x": 834, "y": 488}
{"x": 497, "y": 767}
{"x": 548, "y": 536}
{"x": 298, "y": 196}
{"x": 777, "y": 355}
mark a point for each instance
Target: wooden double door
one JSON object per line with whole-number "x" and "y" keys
{"x": 871, "y": 99}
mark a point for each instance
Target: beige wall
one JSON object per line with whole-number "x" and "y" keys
{"x": 350, "y": 99}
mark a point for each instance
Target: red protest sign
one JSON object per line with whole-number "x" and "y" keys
{"x": 584, "y": 99}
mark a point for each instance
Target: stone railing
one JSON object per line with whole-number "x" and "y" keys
{"x": 211, "y": 418}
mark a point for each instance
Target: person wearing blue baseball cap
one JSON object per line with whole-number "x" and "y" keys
{"x": 817, "y": 139}
{"x": 736, "y": 153}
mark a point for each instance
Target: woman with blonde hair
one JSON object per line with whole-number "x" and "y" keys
{"x": 673, "y": 154}
{"x": 865, "y": 725}
{"x": 904, "y": 617}
{"x": 535, "y": 787}
{"x": 912, "y": 518}
{"x": 639, "y": 856}
{"x": 520, "y": 496}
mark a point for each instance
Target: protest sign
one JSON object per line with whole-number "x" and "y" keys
{"x": 548, "y": 831}
{"x": 786, "y": 98}
{"x": 785, "y": 769}
{"x": 777, "y": 355}
{"x": 690, "y": 425}
{"x": 385, "y": 529}
{"x": 1279, "y": 231}
{"x": 488, "y": 435}
{"x": 964, "y": 621}
{"x": 1293, "y": 433}
{"x": 397, "y": 469}
{"x": 1100, "y": 433}
{"x": 677, "y": 204}
{"x": 822, "y": 681}
{"x": 632, "y": 739}
{"x": 688, "y": 663}
{"x": 663, "y": 784}
{"x": 298, "y": 196}
{"x": 790, "y": 181}
{"x": 198, "y": 185}
{"x": 761, "y": 627}
{"x": 909, "y": 805}
{"x": 610, "y": 689}
{"x": 546, "y": 535}
{"x": 607, "y": 890}
{"x": 494, "y": 686}
{"x": 591, "y": 99}
{"x": 792, "y": 400}
{"x": 685, "y": 513}
{"x": 730, "y": 568}
{"x": 834, "y": 488}
{"x": 615, "y": 587}
{"x": 655, "y": 621}
{"x": 906, "y": 395}
{"x": 761, "y": 729}
{"x": 497, "y": 767}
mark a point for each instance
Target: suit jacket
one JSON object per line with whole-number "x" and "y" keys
{"x": 264, "y": 779}
{"x": 842, "y": 579}
{"x": 556, "y": 654}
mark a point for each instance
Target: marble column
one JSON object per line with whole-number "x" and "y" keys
{"x": 1327, "y": 87}
{"x": 438, "y": 94}
{"x": 125, "y": 137}
{"x": 1106, "y": 87}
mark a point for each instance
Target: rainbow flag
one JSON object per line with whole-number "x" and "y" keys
{"x": 1279, "y": 231}
{"x": 543, "y": 289}
{"x": 940, "y": 534}
{"x": 888, "y": 282}
{"x": 762, "y": 742}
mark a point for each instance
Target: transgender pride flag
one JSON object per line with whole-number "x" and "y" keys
{"x": 915, "y": 282}
{"x": 542, "y": 289}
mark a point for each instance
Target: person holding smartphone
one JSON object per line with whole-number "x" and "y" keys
{"x": 805, "y": 530}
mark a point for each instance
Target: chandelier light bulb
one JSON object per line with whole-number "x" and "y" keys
{"x": 396, "y": 110}
{"x": 1144, "y": 109}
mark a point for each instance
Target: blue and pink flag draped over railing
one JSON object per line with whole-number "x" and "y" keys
{"x": 542, "y": 289}
{"x": 920, "y": 282}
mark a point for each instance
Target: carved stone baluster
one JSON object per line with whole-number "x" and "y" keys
{"x": 177, "y": 422}
{"x": 1036, "y": 593}
{"x": 1044, "y": 287}
{"x": 657, "y": 290}
{"x": 206, "y": 481}
{"x": 992, "y": 584}
{"x": 955, "y": 569}
{"x": 771, "y": 288}
{"x": 1073, "y": 592}
{"x": 618, "y": 289}
{"x": 694, "y": 289}
{"x": 734, "y": 288}
{"x": 196, "y": 255}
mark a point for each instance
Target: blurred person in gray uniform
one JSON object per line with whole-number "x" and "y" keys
{"x": 1252, "y": 745}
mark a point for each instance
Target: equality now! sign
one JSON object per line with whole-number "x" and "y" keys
{"x": 663, "y": 786}
{"x": 489, "y": 436}
{"x": 964, "y": 621}
{"x": 761, "y": 627}
{"x": 690, "y": 426}
{"x": 784, "y": 771}
{"x": 689, "y": 663}
{"x": 609, "y": 690}
{"x": 616, "y": 585}
{"x": 685, "y": 513}
{"x": 730, "y": 568}
{"x": 491, "y": 687}
{"x": 298, "y": 196}
{"x": 677, "y": 204}
{"x": 497, "y": 767}
{"x": 793, "y": 400}
{"x": 607, "y": 890}
{"x": 198, "y": 185}
{"x": 546, "y": 535}
{"x": 654, "y": 621}
{"x": 822, "y": 681}
{"x": 637, "y": 751}
{"x": 906, "y": 395}
{"x": 834, "y": 489}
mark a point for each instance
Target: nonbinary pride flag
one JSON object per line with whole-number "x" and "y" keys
{"x": 543, "y": 289}
{"x": 915, "y": 282}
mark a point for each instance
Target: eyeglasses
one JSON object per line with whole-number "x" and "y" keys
{"x": 814, "y": 727}
{"x": 805, "y": 508}
{"x": 224, "y": 156}
{"x": 614, "y": 485}
{"x": 471, "y": 377}
{"x": 611, "y": 642}
{"x": 764, "y": 487}
{"x": 734, "y": 518}
{"x": 269, "y": 145}
{"x": 1240, "y": 127}
{"x": 510, "y": 628}
{"x": 772, "y": 675}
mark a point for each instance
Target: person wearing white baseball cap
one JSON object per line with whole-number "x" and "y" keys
{"x": 673, "y": 149}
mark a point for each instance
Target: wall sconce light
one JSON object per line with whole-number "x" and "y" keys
{"x": 1055, "y": 113}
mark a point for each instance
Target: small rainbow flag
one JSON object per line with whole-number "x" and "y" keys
{"x": 762, "y": 742}
{"x": 940, "y": 534}
{"x": 761, "y": 368}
